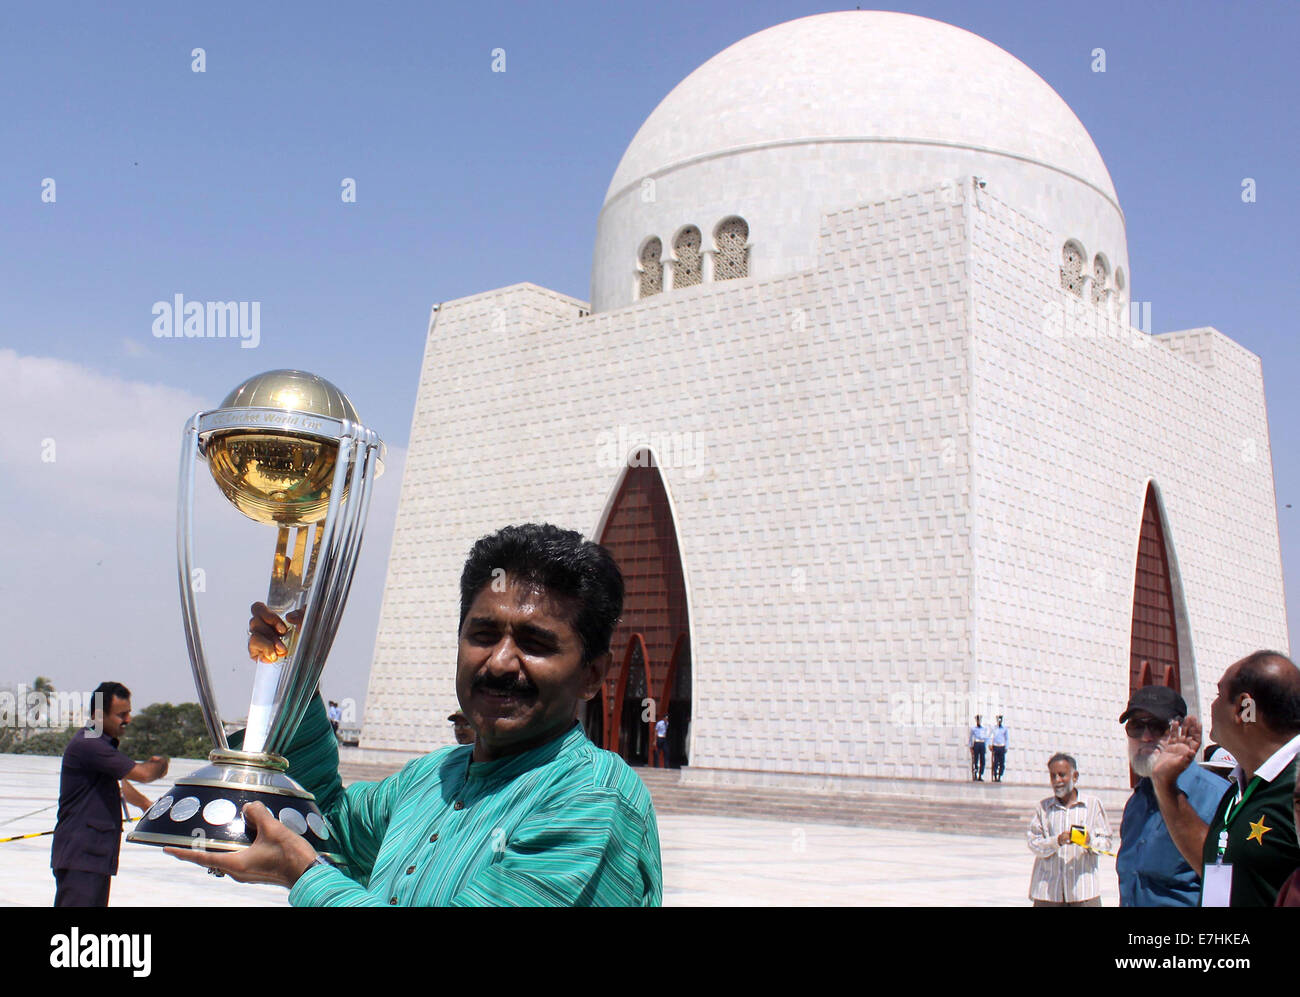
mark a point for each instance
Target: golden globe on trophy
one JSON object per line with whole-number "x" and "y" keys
{"x": 288, "y": 450}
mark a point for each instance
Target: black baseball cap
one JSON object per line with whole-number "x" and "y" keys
{"x": 1158, "y": 700}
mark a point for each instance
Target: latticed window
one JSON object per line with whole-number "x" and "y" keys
{"x": 652, "y": 268}
{"x": 1072, "y": 269}
{"x": 689, "y": 268}
{"x": 1100, "y": 279}
{"x": 732, "y": 259}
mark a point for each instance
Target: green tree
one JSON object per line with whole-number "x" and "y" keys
{"x": 37, "y": 742}
{"x": 45, "y": 688}
{"x": 164, "y": 729}
{"x": 47, "y": 742}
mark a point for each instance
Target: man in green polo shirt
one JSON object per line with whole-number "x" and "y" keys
{"x": 1249, "y": 848}
{"x": 532, "y": 813}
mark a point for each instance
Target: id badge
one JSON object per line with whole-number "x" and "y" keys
{"x": 1216, "y": 890}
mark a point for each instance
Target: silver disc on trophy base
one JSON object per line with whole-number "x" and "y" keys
{"x": 288, "y": 450}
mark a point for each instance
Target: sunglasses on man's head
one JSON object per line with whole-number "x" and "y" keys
{"x": 1135, "y": 728}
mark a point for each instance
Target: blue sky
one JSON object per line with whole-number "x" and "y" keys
{"x": 225, "y": 185}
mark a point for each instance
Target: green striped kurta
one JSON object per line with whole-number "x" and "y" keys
{"x": 566, "y": 824}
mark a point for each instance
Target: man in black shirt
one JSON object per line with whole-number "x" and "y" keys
{"x": 88, "y": 834}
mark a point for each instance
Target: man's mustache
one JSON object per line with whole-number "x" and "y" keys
{"x": 505, "y": 685}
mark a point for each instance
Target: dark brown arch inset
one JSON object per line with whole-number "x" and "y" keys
{"x": 653, "y": 638}
{"x": 1153, "y": 641}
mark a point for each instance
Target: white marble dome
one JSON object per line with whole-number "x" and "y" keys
{"x": 843, "y": 109}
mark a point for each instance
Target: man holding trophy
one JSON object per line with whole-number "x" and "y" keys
{"x": 531, "y": 814}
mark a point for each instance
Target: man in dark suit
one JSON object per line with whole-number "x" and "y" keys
{"x": 88, "y": 834}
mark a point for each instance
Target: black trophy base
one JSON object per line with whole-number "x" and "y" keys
{"x": 204, "y": 811}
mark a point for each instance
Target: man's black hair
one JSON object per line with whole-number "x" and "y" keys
{"x": 562, "y": 563}
{"x": 103, "y": 695}
{"x": 1273, "y": 682}
{"x": 1061, "y": 756}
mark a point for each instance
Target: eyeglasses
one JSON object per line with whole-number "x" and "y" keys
{"x": 1135, "y": 728}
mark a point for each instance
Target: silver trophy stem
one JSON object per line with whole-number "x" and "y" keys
{"x": 293, "y": 690}
{"x": 349, "y": 549}
{"x": 290, "y": 672}
{"x": 363, "y": 476}
{"x": 334, "y": 570}
{"x": 356, "y": 532}
{"x": 304, "y": 686}
{"x": 185, "y": 576}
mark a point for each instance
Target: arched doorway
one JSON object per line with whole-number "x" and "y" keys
{"x": 651, "y": 677}
{"x": 1154, "y": 657}
{"x": 1153, "y": 640}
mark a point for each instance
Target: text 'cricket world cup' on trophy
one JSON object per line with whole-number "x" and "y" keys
{"x": 287, "y": 449}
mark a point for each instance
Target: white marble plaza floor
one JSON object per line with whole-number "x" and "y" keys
{"x": 707, "y": 861}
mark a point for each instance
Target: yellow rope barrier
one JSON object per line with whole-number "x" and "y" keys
{"x": 41, "y": 834}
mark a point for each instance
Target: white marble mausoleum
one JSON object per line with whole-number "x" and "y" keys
{"x": 865, "y": 407}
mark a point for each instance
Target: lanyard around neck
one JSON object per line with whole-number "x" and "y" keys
{"x": 1234, "y": 809}
{"x": 1239, "y": 804}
